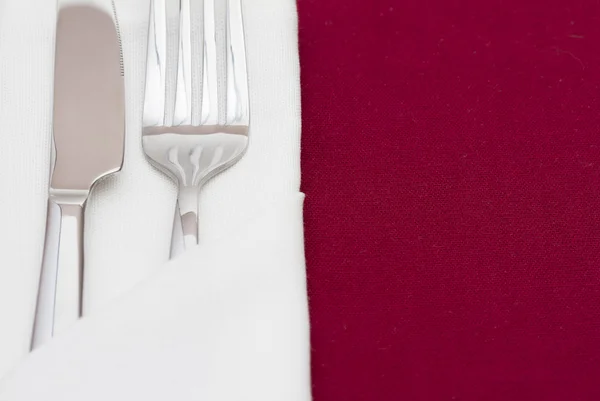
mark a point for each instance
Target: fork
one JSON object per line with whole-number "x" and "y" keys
{"x": 194, "y": 128}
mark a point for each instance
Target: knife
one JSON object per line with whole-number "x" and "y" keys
{"x": 88, "y": 136}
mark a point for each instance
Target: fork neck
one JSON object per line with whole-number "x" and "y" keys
{"x": 188, "y": 212}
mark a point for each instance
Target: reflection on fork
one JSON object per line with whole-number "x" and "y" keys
{"x": 194, "y": 128}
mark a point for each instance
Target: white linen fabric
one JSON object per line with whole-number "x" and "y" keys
{"x": 227, "y": 320}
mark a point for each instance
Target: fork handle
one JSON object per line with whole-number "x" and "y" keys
{"x": 188, "y": 213}
{"x": 59, "y": 295}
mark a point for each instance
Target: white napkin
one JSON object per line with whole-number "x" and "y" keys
{"x": 227, "y": 320}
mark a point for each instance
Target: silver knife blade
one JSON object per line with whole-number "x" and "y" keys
{"x": 89, "y": 107}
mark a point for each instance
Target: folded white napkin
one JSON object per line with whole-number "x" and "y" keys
{"x": 225, "y": 321}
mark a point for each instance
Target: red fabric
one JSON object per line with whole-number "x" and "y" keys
{"x": 451, "y": 161}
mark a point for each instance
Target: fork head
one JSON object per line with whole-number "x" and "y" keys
{"x": 196, "y": 107}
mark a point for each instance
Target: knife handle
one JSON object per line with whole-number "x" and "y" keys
{"x": 61, "y": 278}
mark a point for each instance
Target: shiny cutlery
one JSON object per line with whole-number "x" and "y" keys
{"x": 196, "y": 114}
{"x": 88, "y": 137}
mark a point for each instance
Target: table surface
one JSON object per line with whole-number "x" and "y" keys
{"x": 451, "y": 161}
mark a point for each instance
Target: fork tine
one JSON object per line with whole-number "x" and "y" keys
{"x": 161, "y": 69}
{"x": 187, "y": 99}
{"x": 172, "y": 18}
{"x": 154, "y": 99}
{"x": 237, "y": 80}
{"x": 210, "y": 101}
{"x": 197, "y": 46}
{"x": 183, "y": 97}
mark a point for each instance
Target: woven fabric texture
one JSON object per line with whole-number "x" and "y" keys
{"x": 451, "y": 162}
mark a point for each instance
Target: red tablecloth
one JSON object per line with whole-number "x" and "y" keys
{"x": 451, "y": 161}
